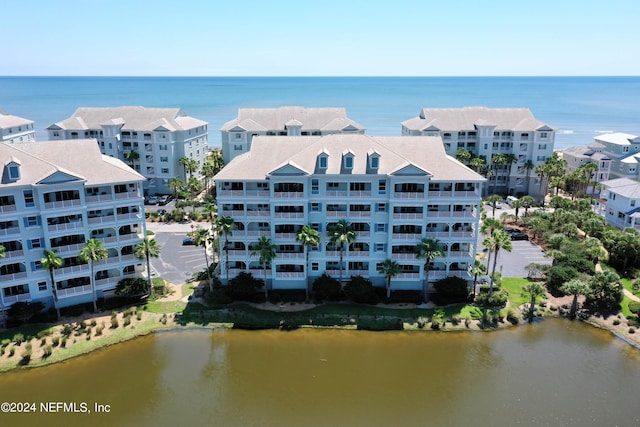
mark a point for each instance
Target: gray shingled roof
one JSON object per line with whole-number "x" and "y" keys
{"x": 516, "y": 119}
{"x": 78, "y": 157}
{"x": 624, "y": 186}
{"x": 268, "y": 154}
{"x": 261, "y": 119}
{"x": 132, "y": 118}
{"x": 617, "y": 138}
{"x": 8, "y": 120}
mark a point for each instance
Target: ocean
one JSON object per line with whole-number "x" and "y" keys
{"x": 578, "y": 107}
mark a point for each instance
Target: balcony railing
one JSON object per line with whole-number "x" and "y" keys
{"x": 406, "y": 236}
{"x": 17, "y": 298}
{"x": 77, "y": 290}
{"x": 69, "y": 248}
{"x": 360, "y": 214}
{"x": 99, "y": 198}
{"x": 358, "y": 253}
{"x": 408, "y": 195}
{"x": 407, "y": 276}
{"x": 407, "y": 216}
{"x": 404, "y": 256}
{"x": 11, "y": 231}
{"x": 14, "y": 254}
{"x": 257, "y": 233}
{"x": 102, "y": 219}
{"x": 291, "y": 215}
{"x": 7, "y": 208}
{"x": 258, "y": 213}
{"x": 287, "y": 194}
{"x": 290, "y": 255}
{"x": 336, "y": 214}
{"x": 74, "y": 269}
{"x": 237, "y": 193}
{"x": 66, "y": 227}
{"x": 109, "y": 281}
{"x": 336, "y": 193}
{"x": 127, "y": 195}
{"x": 257, "y": 193}
{"x": 62, "y": 204}
{"x": 14, "y": 276}
{"x": 290, "y": 275}
{"x": 286, "y": 236}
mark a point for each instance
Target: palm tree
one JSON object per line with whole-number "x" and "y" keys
{"x": 527, "y": 202}
{"x": 575, "y": 287}
{"x": 488, "y": 227}
{"x": 266, "y": 252}
{"x": 463, "y": 156}
{"x": 211, "y": 210}
{"x": 189, "y": 165}
{"x": 509, "y": 160}
{"x": 208, "y": 171}
{"x": 477, "y": 163}
{"x": 308, "y": 237}
{"x": 389, "y": 269}
{"x": 428, "y": 249}
{"x": 499, "y": 240}
{"x": 533, "y": 290}
{"x": 194, "y": 187}
{"x": 145, "y": 250}
{"x": 91, "y": 253}
{"x": 478, "y": 269}
{"x": 528, "y": 167}
{"x": 341, "y": 234}
{"x": 200, "y": 237}
{"x": 176, "y": 185}
{"x": 493, "y": 200}
{"x": 3, "y": 252}
{"x": 224, "y": 227}
{"x": 131, "y": 157}
{"x": 50, "y": 261}
{"x": 497, "y": 161}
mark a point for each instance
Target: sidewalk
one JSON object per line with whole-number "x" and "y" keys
{"x": 176, "y": 227}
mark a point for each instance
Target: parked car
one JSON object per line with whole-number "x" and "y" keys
{"x": 518, "y": 236}
{"x": 163, "y": 200}
{"x": 151, "y": 200}
{"x": 188, "y": 241}
{"x": 161, "y": 211}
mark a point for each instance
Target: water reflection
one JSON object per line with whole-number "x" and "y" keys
{"x": 554, "y": 373}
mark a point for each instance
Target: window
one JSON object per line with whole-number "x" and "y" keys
{"x": 164, "y": 159}
{"x": 381, "y": 207}
{"x": 34, "y": 243}
{"x": 633, "y": 203}
{"x": 348, "y": 162}
{"x": 163, "y": 147}
{"x": 237, "y": 147}
{"x": 322, "y": 162}
{"x": 14, "y": 172}
{"x": 238, "y": 135}
{"x": 28, "y": 198}
{"x": 625, "y": 149}
{"x": 314, "y": 186}
{"x": 314, "y": 266}
{"x": 42, "y": 286}
{"x": 486, "y": 146}
{"x": 381, "y": 228}
{"x": 524, "y": 136}
{"x": 316, "y": 207}
{"x": 541, "y": 158}
{"x": 36, "y": 265}
{"x": 446, "y": 135}
{"x": 375, "y": 162}
{"x": 543, "y": 135}
{"x": 379, "y": 247}
{"x": 110, "y": 146}
{"x": 164, "y": 170}
{"x": 542, "y": 146}
{"x": 382, "y": 186}
{"x": 56, "y": 134}
{"x": 31, "y": 221}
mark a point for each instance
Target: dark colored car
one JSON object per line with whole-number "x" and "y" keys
{"x": 518, "y": 236}
{"x": 161, "y": 211}
{"x": 188, "y": 241}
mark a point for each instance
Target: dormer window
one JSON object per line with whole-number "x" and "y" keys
{"x": 14, "y": 172}
{"x": 322, "y": 162}
{"x": 348, "y": 162}
{"x": 374, "y": 160}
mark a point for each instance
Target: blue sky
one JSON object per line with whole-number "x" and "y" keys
{"x": 320, "y": 37}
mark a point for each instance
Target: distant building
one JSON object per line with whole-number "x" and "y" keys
{"x": 486, "y": 132}
{"x": 58, "y": 199}
{"x": 393, "y": 190}
{"x": 238, "y": 133}
{"x": 14, "y": 129}
{"x": 160, "y": 136}
{"x": 624, "y": 152}
{"x": 621, "y": 198}
{"x": 581, "y": 155}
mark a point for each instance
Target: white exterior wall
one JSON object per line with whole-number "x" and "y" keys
{"x": 456, "y": 229}
{"x": 18, "y": 133}
{"x": 25, "y": 232}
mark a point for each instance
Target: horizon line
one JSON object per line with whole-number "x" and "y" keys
{"x": 319, "y": 76}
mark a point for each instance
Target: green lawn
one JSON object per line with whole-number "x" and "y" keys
{"x": 514, "y": 285}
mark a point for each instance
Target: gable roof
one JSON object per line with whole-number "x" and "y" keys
{"x": 8, "y": 121}
{"x": 275, "y": 119}
{"x": 129, "y": 117}
{"x": 415, "y": 155}
{"x": 66, "y": 160}
{"x": 468, "y": 118}
{"x": 616, "y": 138}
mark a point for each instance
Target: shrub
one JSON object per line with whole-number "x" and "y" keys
{"x": 99, "y": 330}
{"x": 634, "y": 307}
{"x": 63, "y": 342}
{"x": 55, "y": 341}
{"x": 326, "y": 288}
{"x": 132, "y": 286}
{"x": 406, "y": 296}
{"x": 360, "y": 290}
{"x": 616, "y": 322}
{"x": 47, "y": 351}
{"x": 497, "y": 299}
{"x": 437, "y": 320}
{"x": 513, "y": 316}
{"x": 245, "y": 287}
{"x": 632, "y": 330}
{"x": 67, "y": 330}
{"x": 114, "y": 322}
{"x": 24, "y": 311}
{"x": 93, "y": 323}
{"x": 451, "y": 290}
{"x": 557, "y": 275}
{"x": 126, "y": 321}
{"x": 18, "y": 338}
{"x": 12, "y": 351}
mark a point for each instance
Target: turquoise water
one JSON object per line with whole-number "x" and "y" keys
{"x": 579, "y": 107}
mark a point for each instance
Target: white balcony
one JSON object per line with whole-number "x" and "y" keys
{"x": 359, "y": 214}
{"x": 358, "y": 253}
{"x": 258, "y": 213}
{"x": 437, "y": 234}
{"x": 417, "y": 216}
{"x": 286, "y": 236}
{"x": 290, "y": 275}
{"x": 17, "y": 298}
{"x": 57, "y": 228}
{"x": 69, "y": 248}
{"x": 288, "y": 194}
{"x": 407, "y": 276}
{"x": 127, "y": 195}
{"x": 257, "y": 193}
{"x": 289, "y": 215}
{"x": 14, "y": 276}
{"x": 235, "y": 253}
{"x": 408, "y": 195}
{"x": 14, "y": 254}
{"x": 132, "y": 236}
{"x": 71, "y": 292}
{"x": 231, "y": 193}
{"x": 336, "y": 194}
{"x": 406, "y": 236}
{"x": 7, "y": 208}
{"x": 102, "y": 219}
{"x": 62, "y": 204}
{"x": 404, "y": 256}
{"x": 234, "y": 214}
{"x": 99, "y": 198}
{"x": 257, "y": 233}
{"x": 11, "y": 231}
{"x": 360, "y": 194}
{"x": 108, "y": 282}
{"x": 289, "y": 255}
{"x": 336, "y": 214}
{"x": 74, "y": 269}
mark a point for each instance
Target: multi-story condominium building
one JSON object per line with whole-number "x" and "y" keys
{"x": 57, "y": 198}
{"x": 580, "y": 155}
{"x": 284, "y": 121}
{"x": 622, "y": 202}
{"x": 160, "y": 136}
{"x": 393, "y": 190}
{"x": 16, "y": 129}
{"x": 624, "y": 151}
{"x": 486, "y": 132}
